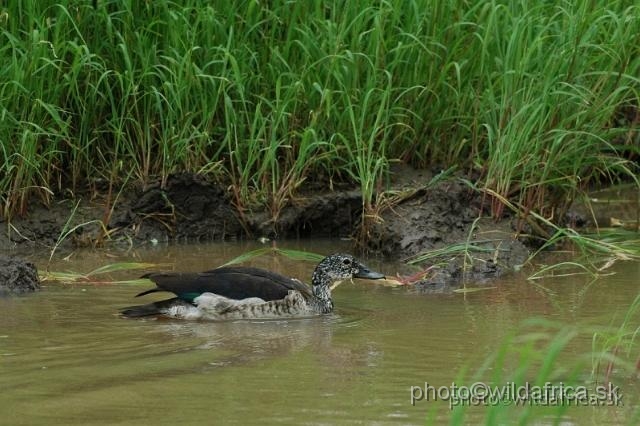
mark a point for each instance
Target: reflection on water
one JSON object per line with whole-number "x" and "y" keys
{"x": 66, "y": 357}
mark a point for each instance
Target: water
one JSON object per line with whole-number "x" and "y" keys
{"x": 67, "y": 358}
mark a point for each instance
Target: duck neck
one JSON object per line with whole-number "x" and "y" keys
{"x": 322, "y": 291}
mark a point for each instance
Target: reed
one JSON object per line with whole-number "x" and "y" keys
{"x": 545, "y": 352}
{"x": 267, "y": 97}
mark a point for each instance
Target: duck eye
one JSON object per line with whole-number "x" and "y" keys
{"x": 346, "y": 262}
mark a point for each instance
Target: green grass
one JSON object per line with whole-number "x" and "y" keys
{"x": 552, "y": 354}
{"x": 102, "y": 274}
{"x": 268, "y": 96}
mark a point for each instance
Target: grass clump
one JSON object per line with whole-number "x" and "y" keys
{"x": 541, "y": 374}
{"x": 268, "y": 96}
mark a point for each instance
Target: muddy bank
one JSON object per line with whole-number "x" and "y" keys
{"x": 444, "y": 228}
{"x": 189, "y": 208}
{"x": 17, "y": 276}
{"x": 186, "y": 209}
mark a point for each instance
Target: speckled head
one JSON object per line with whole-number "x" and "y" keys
{"x": 339, "y": 266}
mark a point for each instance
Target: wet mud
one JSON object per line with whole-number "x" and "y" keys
{"x": 190, "y": 208}
{"x": 17, "y": 276}
{"x": 448, "y": 218}
{"x": 186, "y": 208}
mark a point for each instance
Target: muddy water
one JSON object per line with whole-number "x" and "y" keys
{"x": 66, "y": 357}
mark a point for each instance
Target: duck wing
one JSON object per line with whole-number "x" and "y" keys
{"x": 233, "y": 282}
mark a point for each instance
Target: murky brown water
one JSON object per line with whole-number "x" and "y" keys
{"x": 66, "y": 357}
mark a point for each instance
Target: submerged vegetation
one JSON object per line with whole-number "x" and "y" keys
{"x": 539, "y": 99}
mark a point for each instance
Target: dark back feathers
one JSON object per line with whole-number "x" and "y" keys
{"x": 234, "y": 282}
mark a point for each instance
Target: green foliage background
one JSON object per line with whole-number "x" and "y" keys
{"x": 540, "y": 97}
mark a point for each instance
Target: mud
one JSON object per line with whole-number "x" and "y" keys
{"x": 442, "y": 216}
{"x": 186, "y": 208}
{"x": 335, "y": 214}
{"x": 190, "y": 208}
{"x": 17, "y": 276}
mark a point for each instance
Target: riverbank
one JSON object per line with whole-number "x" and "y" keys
{"x": 146, "y": 123}
{"x": 440, "y": 225}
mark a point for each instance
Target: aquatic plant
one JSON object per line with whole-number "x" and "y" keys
{"x": 543, "y": 354}
{"x": 288, "y": 253}
{"x": 97, "y": 276}
{"x": 613, "y": 346}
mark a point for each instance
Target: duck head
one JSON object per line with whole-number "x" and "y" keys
{"x": 335, "y": 268}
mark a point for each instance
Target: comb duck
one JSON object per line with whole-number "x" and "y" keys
{"x": 238, "y": 292}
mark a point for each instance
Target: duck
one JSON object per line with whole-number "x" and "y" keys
{"x": 241, "y": 292}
